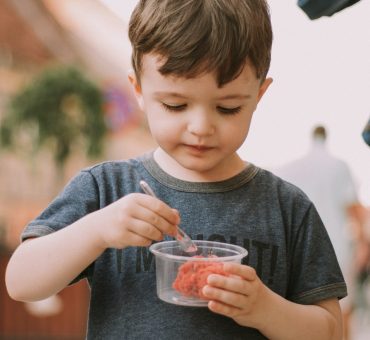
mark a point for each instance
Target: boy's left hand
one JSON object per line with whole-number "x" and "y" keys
{"x": 241, "y": 296}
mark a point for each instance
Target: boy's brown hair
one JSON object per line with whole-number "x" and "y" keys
{"x": 199, "y": 36}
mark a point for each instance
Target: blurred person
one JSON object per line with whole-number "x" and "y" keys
{"x": 328, "y": 182}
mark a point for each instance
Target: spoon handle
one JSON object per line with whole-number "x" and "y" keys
{"x": 182, "y": 238}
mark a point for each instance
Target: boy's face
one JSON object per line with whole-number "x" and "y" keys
{"x": 198, "y": 126}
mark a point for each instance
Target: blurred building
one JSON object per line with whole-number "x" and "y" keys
{"x": 34, "y": 35}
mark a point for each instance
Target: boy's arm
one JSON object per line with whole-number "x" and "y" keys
{"x": 243, "y": 297}
{"x": 42, "y": 266}
{"x": 358, "y": 215}
{"x": 290, "y": 320}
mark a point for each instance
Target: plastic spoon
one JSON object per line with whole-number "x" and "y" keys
{"x": 181, "y": 237}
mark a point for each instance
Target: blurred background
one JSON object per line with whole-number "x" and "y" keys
{"x": 65, "y": 103}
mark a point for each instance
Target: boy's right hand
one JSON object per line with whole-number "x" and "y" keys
{"x": 135, "y": 220}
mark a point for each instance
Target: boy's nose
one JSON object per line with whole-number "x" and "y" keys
{"x": 201, "y": 124}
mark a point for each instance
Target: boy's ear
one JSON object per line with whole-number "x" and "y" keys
{"x": 263, "y": 88}
{"x": 137, "y": 88}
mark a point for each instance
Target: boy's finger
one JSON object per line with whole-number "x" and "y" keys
{"x": 145, "y": 230}
{"x": 161, "y": 220}
{"x": 139, "y": 240}
{"x": 162, "y": 209}
{"x": 233, "y": 283}
{"x": 227, "y": 297}
{"x": 246, "y": 272}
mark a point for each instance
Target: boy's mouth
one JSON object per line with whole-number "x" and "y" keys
{"x": 199, "y": 148}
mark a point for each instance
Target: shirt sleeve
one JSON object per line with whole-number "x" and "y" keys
{"x": 315, "y": 272}
{"x": 79, "y": 198}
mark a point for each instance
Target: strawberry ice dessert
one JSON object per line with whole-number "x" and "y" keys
{"x": 192, "y": 276}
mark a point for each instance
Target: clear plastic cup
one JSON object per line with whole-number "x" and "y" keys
{"x": 180, "y": 276}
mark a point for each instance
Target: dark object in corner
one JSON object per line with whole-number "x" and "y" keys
{"x": 317, "y": 8}
{"x": 366, "y": 133}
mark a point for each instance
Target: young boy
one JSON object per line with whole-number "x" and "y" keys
{"x": 200, "y": 70}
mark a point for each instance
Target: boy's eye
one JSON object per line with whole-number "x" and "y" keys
{"x": 229, "y": 111}
{"x": 182, "y": 107}
{"x": 175, "y": 108}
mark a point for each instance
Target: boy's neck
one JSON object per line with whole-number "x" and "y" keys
{"x": 174, "y": 169}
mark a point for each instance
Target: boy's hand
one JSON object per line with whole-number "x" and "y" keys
{"x": 241, "y": 296}
{"x": 135, "y": 220}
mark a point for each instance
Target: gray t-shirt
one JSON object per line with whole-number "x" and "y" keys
{"x": 274, "y": 220}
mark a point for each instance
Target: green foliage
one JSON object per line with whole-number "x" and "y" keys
{"x": 60, "y": 109}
